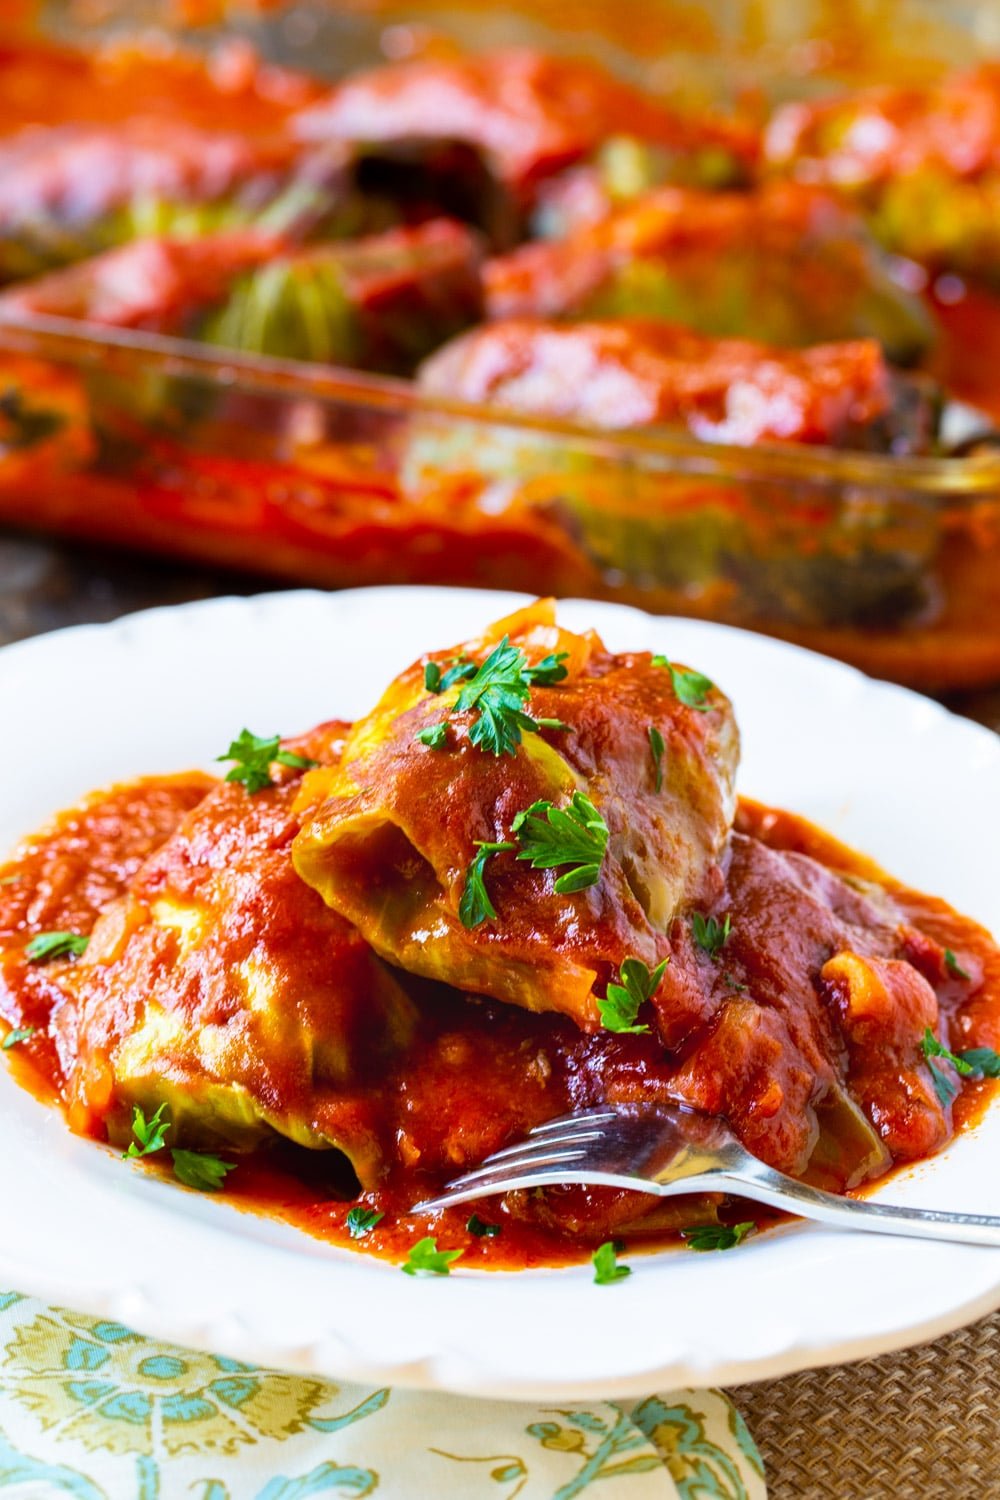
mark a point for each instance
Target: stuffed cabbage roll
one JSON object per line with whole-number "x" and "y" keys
{"x": 520, "y": 815}
{"x": 637, "y": 372}
{"x": 624, "y": 168}
{"x": 784, "y": 265}
{"x": 923, "y": 162}
{"x": 526, "y": 115}
{"x": 380, "y": 302}
{"x": 70, "y": 191}
{"x": 694, "y": 531}
{"x": 220, "y": 986}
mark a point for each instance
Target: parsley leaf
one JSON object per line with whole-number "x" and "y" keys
{"x": 717, "y": 1236}
{"x": 576, "y": 835}
{"x": 620, "y": 1007}
{"x": 425, "y": 1259}
{"x": 709, "y": 934}
{"x": 361, "y": 1221}
{"x": 481, "y": 1229}
{"x": 435, "y": 736}
{"x": 953, "y": 966}
{"x": 690, "y": 687}
{"x": 656, "y": 749}
{"x": 983, "y": 1060}
{"x": 436, "y": 681}
{"x": 475, "y": 904}
{"x": 46, "y": 945}
{"x": 606, "y": 1267}
{"x": 149, "y": 1134}
{"x": 254, "y": 754}
{"x": 944, "y": 1086}
{"x": 196, "y": 1170}
{"x": 15, "y": 1035}
{"x": 549, "y": 670}
{"x": 497, "y": 693}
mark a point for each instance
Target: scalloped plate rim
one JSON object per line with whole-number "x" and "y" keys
{"x": 624, "y": 1348}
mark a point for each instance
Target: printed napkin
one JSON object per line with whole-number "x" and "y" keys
{"x": 93, "y": 1411}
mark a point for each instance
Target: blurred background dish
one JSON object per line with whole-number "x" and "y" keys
{"x": 344, "y": 189}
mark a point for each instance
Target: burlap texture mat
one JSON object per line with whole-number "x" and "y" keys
{"x": 921, "y": 1425}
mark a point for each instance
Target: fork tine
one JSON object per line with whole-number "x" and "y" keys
{"x": 552, "y": 1142}
{"x": 463, "y": 1191}
{"x": 586, "y": 1117}
{"x": 504, "y": 1169}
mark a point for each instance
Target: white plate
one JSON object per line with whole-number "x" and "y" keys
{"x": 882, "y": 768}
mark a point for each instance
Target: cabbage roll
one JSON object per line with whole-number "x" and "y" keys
{"x": 695, "y": 532}
{"x": 923, "y": 162}
{"x": 785, "y": 265}
{"x": 380, "y": 302}
{"x": 520, "y": 815}
{"x": 223, "y": 987}
{"x": 525, "y": 115}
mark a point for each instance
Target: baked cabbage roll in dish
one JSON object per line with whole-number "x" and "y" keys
{"x": 783, "y": 264}
{"x": 527, "y": 115}
{"x": 922, "y": 161}
{"x": 380, "y": 302}
{"x": 71, "y": 191}
{"x": 699, "y": 532}
{"x": 500, "y": 822}
{"x": 623, "y": 168}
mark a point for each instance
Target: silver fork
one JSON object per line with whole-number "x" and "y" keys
{"x": 667, "y": 1149}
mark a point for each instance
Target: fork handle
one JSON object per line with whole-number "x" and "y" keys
{"x": 774, "y": 1188}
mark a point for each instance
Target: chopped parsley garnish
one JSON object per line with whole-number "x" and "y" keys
{"x": 196, "y": 1170}
{"x": 691, "y": 688}
{"x": 944, "y": 1086}
{"x": 982, "y": 1060}
{"x": 656, "y": 749}
{"x": 436, "y": 681}
{"x": 551, "y": 836}
{"x": 953, "y": 966}
{"x": 149, "y": 1134}
{"x": 425, "y": 1259}
{"x": 709, "y": 934}
{"x": 606, "y": 1267}
{"x": 549, "y": 670}
{"x": 734, "y": 983}
{"x": 435, "y": 736}
{"x": 481, "y": 1229}
{"x": 717, "y": 1236}
{"x": 497, "y": 693}
{"x": 475, "y": 904}
{"x": 620, "y": 1008}
{"x": 361, "y": 1221}
{"x": 46, "y": 945}
{"x": 254, "y": 756}
{"x": 16, "y": 1035}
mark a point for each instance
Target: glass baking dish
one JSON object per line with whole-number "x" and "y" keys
{"x": 317, "y": 475}
{"x": 321, "y": 475}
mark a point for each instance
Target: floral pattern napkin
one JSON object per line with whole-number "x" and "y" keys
{"x": 93, "y": 1411}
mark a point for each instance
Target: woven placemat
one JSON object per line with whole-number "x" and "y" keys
{"x": 921, "y": 1425}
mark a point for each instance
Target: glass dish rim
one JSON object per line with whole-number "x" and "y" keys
{"x": 69, "y": 341}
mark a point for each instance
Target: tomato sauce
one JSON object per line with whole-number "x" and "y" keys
{"x": 477, "y": 1074}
